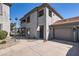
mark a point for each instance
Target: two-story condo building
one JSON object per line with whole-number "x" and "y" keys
{"x": 5, "y": 17}
{"x": 45, "y": 23}
{"x": 37, "y": 22}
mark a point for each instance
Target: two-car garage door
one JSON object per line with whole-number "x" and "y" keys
{"x": 64, "y": 33}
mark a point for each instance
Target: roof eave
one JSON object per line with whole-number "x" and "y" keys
{"x": 43, "y": 5}
{"x": 9, "y": 4}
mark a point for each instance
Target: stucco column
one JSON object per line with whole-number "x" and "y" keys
{"x": 74, "y": 33}
{"x": 45, "y": 27}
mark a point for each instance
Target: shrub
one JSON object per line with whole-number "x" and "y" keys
{"x": 3, "y": 34}
{"x": 2, "y": 42}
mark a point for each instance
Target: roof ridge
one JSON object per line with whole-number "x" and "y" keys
{"x": 72, "y": 18}
{"x": 69, "y": 20}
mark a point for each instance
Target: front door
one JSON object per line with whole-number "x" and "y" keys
{"x": 41, "y": 31}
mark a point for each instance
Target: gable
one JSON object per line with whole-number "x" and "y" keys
{"x": 41, "y": 7}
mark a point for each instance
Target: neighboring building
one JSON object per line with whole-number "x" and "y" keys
{"x": 5, "y": 17}
{"x": 36, "y": 23}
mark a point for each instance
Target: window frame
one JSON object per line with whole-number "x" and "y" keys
{"x": 50, "y": 13}
{"x": 24, "y": 20}
{"x": 28, "y": 19}
{"x": 40, "y": 12}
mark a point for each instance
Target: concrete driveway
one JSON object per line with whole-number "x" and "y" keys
{"x": 40, "y": 48}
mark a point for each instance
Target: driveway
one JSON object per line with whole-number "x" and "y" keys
{"x": 40, "y": 48}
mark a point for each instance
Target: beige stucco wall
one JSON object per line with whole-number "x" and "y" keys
{"x": 4, "y": 18}
{"x": 36, "y": 22}
{"x": 33, "y": 24}
{"x": 42, "y": 21}
{"x": 50, "y": 21}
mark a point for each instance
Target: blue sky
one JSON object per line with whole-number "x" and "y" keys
{"x": 64, "y": 9}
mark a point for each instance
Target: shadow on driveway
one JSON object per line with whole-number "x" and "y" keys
{"x": 63, "y": 41}
{"x": 74, "y": 51}
{"x": 18, "y": 37}
{"x": 24, "y": 38}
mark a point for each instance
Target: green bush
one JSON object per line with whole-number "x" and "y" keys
{"x": 3, "y": 34}
{"x": 2, "y": 42}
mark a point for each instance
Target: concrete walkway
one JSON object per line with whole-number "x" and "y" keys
{"x": 39, "y": 48}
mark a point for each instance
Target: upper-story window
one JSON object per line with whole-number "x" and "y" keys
{"x": 50, "y": 13}
{"x": 0, "y": 9}
{"x": 23, "y": 21}
{"x": 28, "y": 19}
{"x": 40, "y": 13}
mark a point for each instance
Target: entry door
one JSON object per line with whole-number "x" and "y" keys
{"x": 41, "y": 31}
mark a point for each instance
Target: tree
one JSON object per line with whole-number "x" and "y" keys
{"x": 12, "y": 26}
{"x": 16, "y": 18}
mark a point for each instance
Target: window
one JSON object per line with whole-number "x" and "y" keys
{"x": 50, "y": 13}
{"x": 0, "y": 9}
{"x": 28, "y": 19}
{"x": 40, "y": 13}
{"x": 23, "y": 21}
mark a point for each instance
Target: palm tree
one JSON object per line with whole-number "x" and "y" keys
{"x": 16, "y": 21}
{"x": 16, "y": 18}
{"x": 16, "y": 27}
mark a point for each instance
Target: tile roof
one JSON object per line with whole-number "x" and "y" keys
{"x": 66, "y": 21}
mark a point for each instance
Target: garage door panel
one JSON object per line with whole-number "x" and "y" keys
{"x": 64, "y": 34}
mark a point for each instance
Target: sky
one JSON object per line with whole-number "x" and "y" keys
{"x": 66, "y": 10}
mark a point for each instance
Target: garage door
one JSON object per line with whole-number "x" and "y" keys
{"x": 64, "y": 34}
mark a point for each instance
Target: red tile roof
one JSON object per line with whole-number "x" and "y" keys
{"x": 66, "y": 21}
